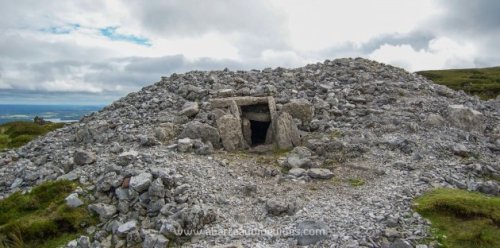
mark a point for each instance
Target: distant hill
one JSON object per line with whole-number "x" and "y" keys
{"x": 483, "y": 82}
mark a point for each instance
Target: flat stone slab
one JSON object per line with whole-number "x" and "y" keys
{"x": 240, "y": 101}
{"x": 252, "y": 116}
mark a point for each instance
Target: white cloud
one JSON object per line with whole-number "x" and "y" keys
{"x": 319, "y": 24}
{"x": 441, "y": 53}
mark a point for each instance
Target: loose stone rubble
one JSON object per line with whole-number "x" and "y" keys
{"x": 268, "y": 150}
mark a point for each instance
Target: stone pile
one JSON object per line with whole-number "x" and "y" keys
{"x": 342, "y": 146}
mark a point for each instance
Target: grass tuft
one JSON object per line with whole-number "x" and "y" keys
{"x": 355, "y": 182}
{"x": 41, "y": 216}
{"x": 16, "y": 134}
{"x": 462, "y": 219}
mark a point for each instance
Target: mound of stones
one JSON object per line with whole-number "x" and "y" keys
{"x": 169, "y": 160}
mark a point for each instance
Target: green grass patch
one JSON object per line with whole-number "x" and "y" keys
{"x": 335, "y": 134}
{"x": 41, "y": 218}
{"x": 484, "y": 82}
{"x": 18, "y": 133}
{"x": 462, "y": 219}
{"x": 355, "y": 182}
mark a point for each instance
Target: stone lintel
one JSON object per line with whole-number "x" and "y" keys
{"x": 263, "y": 117}
{"x": 240, "y": 101}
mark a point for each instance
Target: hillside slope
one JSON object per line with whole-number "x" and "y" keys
{"x": 483, "y": 82}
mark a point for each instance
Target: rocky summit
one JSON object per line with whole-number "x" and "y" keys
{"x": 259, "y": 158}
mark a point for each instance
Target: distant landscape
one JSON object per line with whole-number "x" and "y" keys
{"x": 53, "y": 113}
{"x": 483, "y": 82}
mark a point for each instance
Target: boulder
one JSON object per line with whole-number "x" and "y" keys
{"x": 157, "y": 189}
{"x": 82, "y": 157}
{"x": 225, "y": 93}
{"x": 489, "y": 187}
{"x": 190, "y": 109}
{"x": 197, "y": 216}
{"x": 280, "y": 207}
{"x": 399, "y": 243}
{"x": 230, "y": 132}
{"x": 116, "y": 148}
{"x": 152, "y": 239}
{"x": 127, "y": 227}
{"x": 203, "y": 131}
{"x": 299, "y": 157}
{"x": 434, "y": 120}
{"x": 185, "y": 145}
{"x": 105, "y": 211}
{"x": 460, "y": 150}
{"x": 147, "y": 141}
{"x": 247, "y": 130}
{"x": 141, "y": 182}
{"x": 466, "y": 118}
{"x": 297, "y": 172}
{"x": 165, "y": 132}
{"x": 83, "y": 242}
{"x": 201, "y": 148}
{"x": 126, "y": 158}
{"x": 83, "y": 135}
{"x": 320, "y": 173}
{"x": 170, "y": 228}
{"x": 73, "y": 201}
{"x": 311, "y": 232}
{"x": 287, "y": 134}
{"x": 300, "y": 109}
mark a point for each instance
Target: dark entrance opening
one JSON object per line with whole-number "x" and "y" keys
{"x": 259, "y": 131}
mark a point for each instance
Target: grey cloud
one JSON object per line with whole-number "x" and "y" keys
{"x": 417, "y": 39}
{"x": 258, "y": 25}
{"x": 192, "y": 17}
{"x": 33, "y": 97}
{"x": 114, "y": 77}
{"x": 18, "y": 47}
{"x": 471, "y": 17}
{"x": 38, "y": 14}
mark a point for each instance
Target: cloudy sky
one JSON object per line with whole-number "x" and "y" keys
{"x": 94, "y": 51}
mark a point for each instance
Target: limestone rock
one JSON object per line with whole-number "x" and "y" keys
{"x": 141, "y": 182}
{"x": 465, "y": 118}
{"x": 287, "y": 134}
{"x": 105, "y": 211}
{"x": 311, "y": 232}
{"x": 152, "y": 239}
{"x": 83, "y": 135}
{"x": 185, "y": 145}
{"x": 230, "y": 132}
{"x": 73, "y": 201}
{"x": 297, "y": 172}
{"x": 247, "y": 130}
{"x": 203, "y": 131}
{"x": 434, "y": 120}
{"x": 299, "y": 157}
{"x": 300, "y": 109}
{"x": 190, "y": 109}
{"x": 320, "y": 173}
{"x": 165, "y": 132}
{"x": 489, "y": 187}
{"x": 82, "y": 157}
{"x": 197, "y": 216}
{"x": 127, "y": 227}
{"x": 399, "y": 243}
{"x": 278, "y": 207}
{"x": 157, "y": 189}
{"x": 126, "y": 158}
{"x": 460, "y": 150}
